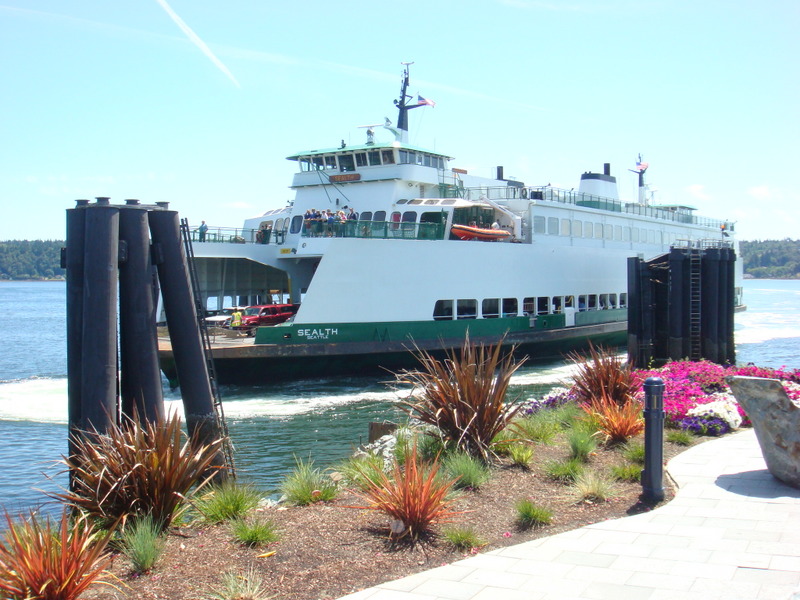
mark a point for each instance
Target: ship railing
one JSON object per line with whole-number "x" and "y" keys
{"x": 385, "y": 230}
{"x": 552, "y": 194}
{"x": 230, "y": 235}
{"x": 703, "y": 244}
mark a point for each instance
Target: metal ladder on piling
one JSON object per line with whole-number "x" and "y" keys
{"x": 695, "y": 303}
{"x": 200, "y": 313}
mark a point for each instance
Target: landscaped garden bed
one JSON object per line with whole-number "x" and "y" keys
{"x": 471, "y": 472}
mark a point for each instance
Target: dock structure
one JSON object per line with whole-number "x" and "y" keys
{"x": 119, "y": 256}
{"x": 681, "y": 304}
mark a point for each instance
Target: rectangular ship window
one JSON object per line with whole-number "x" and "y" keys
{"x": 467, "y": 309}
{"x": 490, "y": 308}
{"x": 443, "y": 310}
{"x": 542, "y": 305}
{"x": 510, "y": 307}
{"x": 528, "y": 306}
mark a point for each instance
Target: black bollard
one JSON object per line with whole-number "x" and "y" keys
{"x": 653, "y": 473}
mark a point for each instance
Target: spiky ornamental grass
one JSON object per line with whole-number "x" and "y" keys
{"x": 254, "y": 532}
{"x": 564, "y": 471}
{"x": 605, "y": 386}
{"x": 467, "y": 471}
{"x": 618, "y": 421}
{"x": 306, "y": 484}
{"x": 602, "y": 370}
{"x": 358, "y": 470}
{"x": 45, "y": 561}
{"x": 464, "y": 395}
{"x": 137, "y": 469}
{"x": 142, "y": 543}
{"x": 246, "y": 585}
{"x": 681, "y": 437}
{"x": 542, "y": 427}
{"x": 530, "y": 514}
{"x": 463, "y": 538}
{"x": 593, "y": 486}
{"x": 627, "y": 472}
{"x": 413, "y": 496}
{"x": 521, "y": 454}
{"x": 226, "y": 501}
{"x": 581, "y": 444}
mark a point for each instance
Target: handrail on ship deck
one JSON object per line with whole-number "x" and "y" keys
{"x": 548, "y": 193}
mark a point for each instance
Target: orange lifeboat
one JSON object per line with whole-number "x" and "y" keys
{"x": 465, "y": 232}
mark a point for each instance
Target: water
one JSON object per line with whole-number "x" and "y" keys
{"x": 269, "y": 425}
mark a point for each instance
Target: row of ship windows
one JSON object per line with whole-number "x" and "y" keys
{"x": 408, "y": 216}
{"x": 348, "y": 162}
{"x": 492, "y": 308}
{"x": 600, "y": 231}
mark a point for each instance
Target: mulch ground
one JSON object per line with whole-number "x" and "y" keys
{"x": 330, "y": 550}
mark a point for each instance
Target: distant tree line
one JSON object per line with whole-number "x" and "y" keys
{"x": 36, "y": 259}
{"x": 41, "y": 259}
{"x": 772, "y": 259}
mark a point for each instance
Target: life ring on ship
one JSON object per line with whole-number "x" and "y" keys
{"x": 523, "y": 193}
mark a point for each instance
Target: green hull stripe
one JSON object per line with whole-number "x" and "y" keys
{"x": 396, "y": 331}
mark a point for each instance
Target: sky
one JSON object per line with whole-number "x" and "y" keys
{"x": 198, "y": 103}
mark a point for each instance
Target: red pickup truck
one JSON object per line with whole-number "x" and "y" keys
{"x": 268, "y": 314}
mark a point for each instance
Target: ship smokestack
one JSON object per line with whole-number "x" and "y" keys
{"x": 500, "y": 173}
{"x": 606, "y": 168}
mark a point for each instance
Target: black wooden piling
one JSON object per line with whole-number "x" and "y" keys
{"x": 184, "y": 333}
{"x": 140, "y": 376}
{"x": 99, "y": 342}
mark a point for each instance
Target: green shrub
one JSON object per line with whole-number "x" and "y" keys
{"x": 254, "y": 532}
{"x": 471, "y": 472}
{"x": 593, "y": 486}
{"x": 521, "y": 454}
{"x": 532, "y": 515}
{"x": 306, "y": 485}
{"x": 229, "y": 500}
{"x": 564, "y": 471}
{"x": 581, "y": 444}
{"x": 463, "y": 538}
{"x": 142, "y": 543}
{"x": 627, "y": 472}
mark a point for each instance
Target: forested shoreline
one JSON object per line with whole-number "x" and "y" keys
{"x": 26, "y": 260}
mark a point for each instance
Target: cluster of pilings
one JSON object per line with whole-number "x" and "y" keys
{"x": 681, "y": 305}
{"x": 117, "y": 255}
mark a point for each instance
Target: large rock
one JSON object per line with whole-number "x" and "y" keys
{"x": 776, "y": 420}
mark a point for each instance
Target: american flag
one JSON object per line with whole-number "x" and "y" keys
{"x": 422, "y": 100}
{"x": 641, "y": 166}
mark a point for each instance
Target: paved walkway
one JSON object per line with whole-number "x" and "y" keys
{"x": 732, "y": 531}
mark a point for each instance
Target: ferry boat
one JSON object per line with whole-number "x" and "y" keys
{"x": 374, "y": 251}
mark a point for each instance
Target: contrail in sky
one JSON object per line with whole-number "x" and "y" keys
{"x": 195, "y": 39}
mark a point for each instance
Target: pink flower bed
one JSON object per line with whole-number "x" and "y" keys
{"x": 688, "y": 384}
